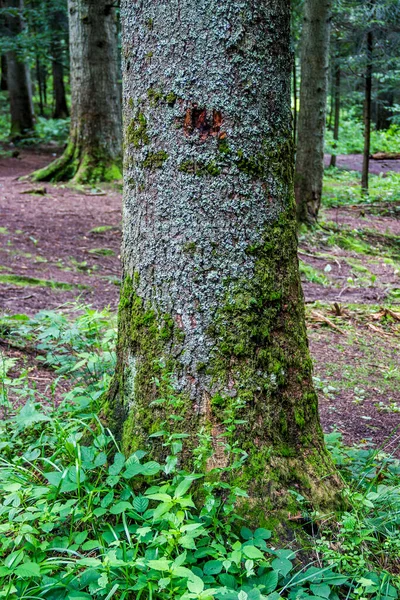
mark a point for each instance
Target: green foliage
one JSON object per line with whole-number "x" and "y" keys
{"x": 342, "y": 187}
{"x": 79, "y": 520}
{"x": 351, "y": 139}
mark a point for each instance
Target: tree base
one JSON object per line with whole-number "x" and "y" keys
{"x": 80, "y": 167}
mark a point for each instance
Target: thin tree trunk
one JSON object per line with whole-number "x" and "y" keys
{"x": 367, "y": 114}
{"x": 3, "y": 80}
{"x": 18, "y": 79}
{"x": 94, "y": 149}
{"x": 337, "y": 109}
{"x": 295, "y": 100}
{"x": 40, "y": 86}
{"x": 312, "y": 113}
{"x": 211, "y": 302}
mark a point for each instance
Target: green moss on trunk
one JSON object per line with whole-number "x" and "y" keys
{"x": 80, "y": 166}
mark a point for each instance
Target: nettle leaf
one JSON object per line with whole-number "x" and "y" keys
{"x": 28, "y": 569}
{"x": 151, "y": 468}
{"x": 321, "y": 589}
{"x": 263, "y": 534}
{"x": 140, "y": 504}
{"x": 212, "y": 567}
{"x": 120, "y": 507}
{"x": 283, "y": 565}
{"x": 28, "y": 415}
{"x": 133, "y": 470}
{"x": 269, "y": 581}
{"x": 108, "y": 498}
{"x": 228, "y": 581}
{"x": 252, "y": 552}
{"x": 160, "y": 565}
{"x": 195, "y": 585}
{"x": 246, "y": 533}
{"x": 116, "y": 467}
{"x": 100, "y": 460}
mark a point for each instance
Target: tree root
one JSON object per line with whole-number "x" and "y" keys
{"x": 79, "y": 167}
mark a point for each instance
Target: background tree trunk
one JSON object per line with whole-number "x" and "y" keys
{"x": 94, "y": 148}
{"x": 18, "y": 79}
{"x": 312, "y": 113}
{"x": 337, "y": 109}
{"x": 367, "y": 114}
{"x": 211, "y": 298}
{"x": 3, "y": 80}
{"x": 57, "y": 66}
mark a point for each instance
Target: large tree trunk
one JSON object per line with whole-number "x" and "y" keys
{"x": 57, "y": 66}
{"x": 211, "y": 300}
{"x": 18, "y": 79}
{"x": 312, "y": 113}
{"x": 367, "y": 114}
{"x": 94, "y": 147}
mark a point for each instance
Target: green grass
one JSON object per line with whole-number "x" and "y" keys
{"x": 312, "y": 275}
{"x": 24, "y": 281}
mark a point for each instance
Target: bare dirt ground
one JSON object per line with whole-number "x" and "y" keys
{"x": 68, "y": 241}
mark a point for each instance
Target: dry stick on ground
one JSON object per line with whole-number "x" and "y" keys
{"x": 320, "y": 318}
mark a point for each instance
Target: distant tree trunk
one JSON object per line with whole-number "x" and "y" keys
{"x": 295, "y": 100}
{"x": 57, "y": 66}
{"x": 211, "y": 298}
{"x": 3, "y": 80}
{"x": 337, "y": 109}
{"x": 40, "y": 86}
{"x": 312, "y": 113}
{"x": 93, "y": 152}
{"x": 367, "y": 114}
{"x": 18, "y": 79}
{"x": 383, "y": 113}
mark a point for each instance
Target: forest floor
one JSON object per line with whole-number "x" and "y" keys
{"x": 59, "y": 244}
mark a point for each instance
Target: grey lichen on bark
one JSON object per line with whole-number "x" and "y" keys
{"x": 94, "y": 150}
{"x": 312, "y": 114}
{"x": 211, "y": 294}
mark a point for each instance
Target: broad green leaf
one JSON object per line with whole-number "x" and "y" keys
{"x": 195, "y": 585}
{"x": 183, "y": 487}
{"x": 212, "y": 567}
{"x": 120, "y": 507}
{"x": 159, "y": 565}
{"x": 140, "y": 504}
{"x": 116, "y": 467}
{"x": 252, "y": 552}
{"x": 283, "y": 565}
{"x": 28, "y": 569}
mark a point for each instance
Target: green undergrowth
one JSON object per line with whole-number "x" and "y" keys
{"x": 351, "y": 138}
{"x": 79, "y": 520}
{"x": 24, "y": 281}
{"x": 311, "y": 274}
{"x": 342, "y": 187}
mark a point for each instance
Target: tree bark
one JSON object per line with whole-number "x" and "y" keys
{"x": 337, "y": 110}
{"x": 211, "y": 302}
{"x": 295, "y": 100}
{"x": 18, "y": 79}
{"x": 57, "y": 66}
{"x": 367, "y": 114}
{"x": 312, "y": 113}
{"x": 3, "y": 80}
{"x": 94, "y": 148}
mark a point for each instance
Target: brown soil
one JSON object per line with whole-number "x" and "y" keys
{"x": 50, "y": 237}
{"x": 353, "y": 162}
